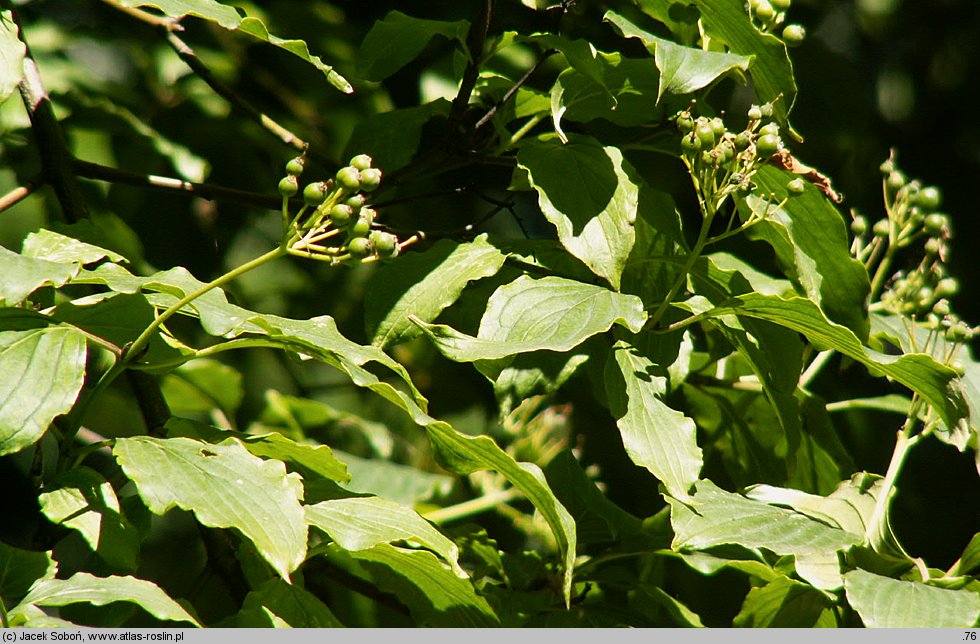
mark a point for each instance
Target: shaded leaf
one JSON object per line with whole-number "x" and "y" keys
{"x": 41, "y": 374}
{"x": 226, "y": 487}
{"x": 20, "y": 569}
{"x": 397, "y": 39}
{"x": 682, "y": 69}
{"x": 400, "y": 483}
{"x": 292, "y": 604}
{"x": 587, "y": 192}
{"x": 99, "y": 591}
{"x": 228, "y": 17}
{"x": 362, "y": 523}
{"x": 785, "y": 603}
{"x": 550, "y": 313}
{"x": 655, "y": 436}
{"x": 890, "y": 603}
{"x": 423, "y": 285}
{"x": 203, "y": 385}
{"x": 969, "y": 561}
{"x": 82, "y": 500}
{"x": 392, "y": 138}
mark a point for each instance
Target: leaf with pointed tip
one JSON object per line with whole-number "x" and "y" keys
{"x": 891, "y": 603}
{"x": 550, "y": 313}
{"x": 81, "y": 499}
{"x": 589, "y": 194}
{"x": 467, "y": 454}
{"x": 227, "y": 17}
{"x": 55, "y": 247}
{"x": 362, "y": 523}
{"x": 811, "y": 242}
{"x": 41, "y": 374}
{"x": 655, "y": 436}
{"x": 726, "y": 21}
{"x": 683, "y": 70}
{"x": 226, "y": 487}
{"x": 23, "y": 275}
{"x": 716, "y": 517}
{"x": 99, "y": 591}
{"x": 423, "y": 285}
{"x": 397, "y": 39}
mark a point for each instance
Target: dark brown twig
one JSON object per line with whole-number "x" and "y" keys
{"x": 207, "y": 191}
{"x": 474, "y": 43}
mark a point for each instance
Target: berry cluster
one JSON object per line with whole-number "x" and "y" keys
{"x": 769, "y": 15}
{"x": 913, "y": 223}
{"x": 333, "y": 208}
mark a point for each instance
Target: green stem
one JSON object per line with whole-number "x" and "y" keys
{"x": 903, "y": 443}
{"x": 144, "y": 338}
{"x": 473, "y": 506}
{"x": 811, "y": 371}
{"x": 709, "y": 215}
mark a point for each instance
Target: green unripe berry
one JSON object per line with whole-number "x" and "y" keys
{"x": 767, "y": 145}
{"x": 764, "y": 10}
{"x": 341, "y": 215}
{"x": 370, "y": 214}
{"x": 769, "y": 128}
{"x": 925, "y": 297}
{"x": 742, "y": 140}
{"x": 755, "y": 113}
{"x": 947, "y": 286}
{"x": 796, "y": 186}
{"x": 361, "y": 162}
{"x": 881, "y": 228}
{"x": 941, "y": 308}
{"x": 895, "y": 180}
{"x": 359, "y": 248}
{"x": 349, "y": 178}
{"x": 684, "y": 122}
{"x": 781, "y": 5}
{"x": 288, "y": 186}
{"x": 928, "y": 198}
{"x": 887, "y": 167}
{"x": 933, "y": 246}
{"x": 707, "y": 158}
{"x": 859, "y": 225}
{"x": 384, "y": 243}
{"x": 935, "y": 223}
{"x": 315, "y": 193}
{"x": 370, "y": 179}
{"x": 959, "y": 332}
{"x": 355, "y": 201}
{"x": 793, "y": 35}
{"x": 706, "y": 134}
{"x": 360, "y": 228}
{"x": 958, "y": 367}
{"x": 294, "y": 167}
{"x": 718, "y": 127}
{"x": 690, "y": 143}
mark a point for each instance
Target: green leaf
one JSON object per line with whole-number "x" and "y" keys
{"x": 588, "y": 192}
{"x": 935, "y": 382}
{"x": 362, "y": 523}
{"x": 551, "y": 313}
{"x": 20, "y": 569}
{"x": 811, "y": 242}
{"x": 397, "y": 39}
{"x": 655, "y": 436}
{"x": 890, "y": 603}
{"x": 24, "y": 275}
{"x": 530, "y": 374}
{"x": 423, "y": 285}
{"x": 226, "y": 487}
{"x": 683, "y": 70}
{"x": 969, "y": 561}
{"x": 435, "y": 596}
{"x": 467, "y": 454}
{"x": 12, "y": 52}
{"x": 785, "y": 603}
{"x": 99, "y": 591}
{"x": 203, "y": 385}
{"x": 228, "y": 18}
{"x": 310, "y": 460}
{"x": 292, "y": 604}
{"x": 82, "y": 500}
{"x": 55, "y": 247}
{"x": 41, "y": 374}
{"x": 772, "y": 73}
{"x": 400, "y": 483}
{"x": 716, "y": 517}
{"x": 392, "y": 138}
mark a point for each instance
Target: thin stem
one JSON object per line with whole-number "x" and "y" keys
{"x": 144, "y": 338}
{"x": 903, "y": 443}
{"x": 473, "y": 506}
{"x": 20, "y": 193}
{"x": 523, "y": 130}
{"x": 814, "y": 368}
{"x": 686, "y": 269}
{"x": 208, "y": 191}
